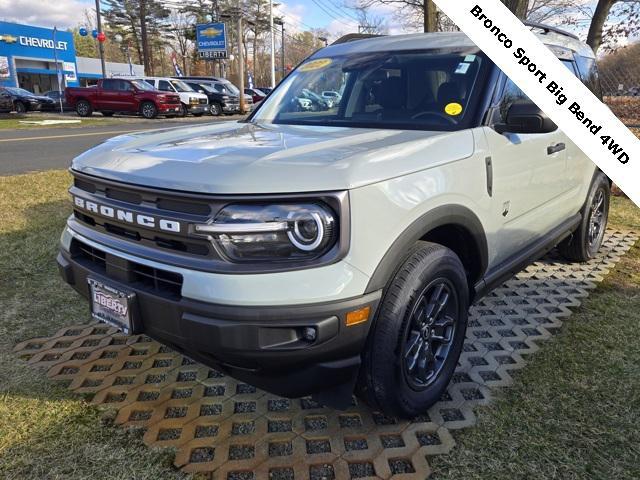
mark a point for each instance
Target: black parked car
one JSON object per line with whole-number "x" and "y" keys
{"x": 22, "y": 100}
{"x": 56, "y": 96}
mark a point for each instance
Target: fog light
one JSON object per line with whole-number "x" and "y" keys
{"x": 358, "y": 316}
{"x": 309, "y": 334}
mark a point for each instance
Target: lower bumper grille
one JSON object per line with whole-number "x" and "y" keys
{"x": 156, "y": 280}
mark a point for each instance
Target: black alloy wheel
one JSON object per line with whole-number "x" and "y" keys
{"x": 429, "y": 333}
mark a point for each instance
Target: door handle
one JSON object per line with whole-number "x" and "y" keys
{"x": 558, "y": 147}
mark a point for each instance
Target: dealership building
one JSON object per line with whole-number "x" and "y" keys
{"x": 28, "y": 60}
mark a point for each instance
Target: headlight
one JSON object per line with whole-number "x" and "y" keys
{"x": 193, "y": 100}
{"x": 273, "y": 232}
{"x": 226, "y": 98}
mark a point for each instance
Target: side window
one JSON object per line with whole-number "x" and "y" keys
{"x": 589, "y": 74}
{"x": 165, "y": 86}
{"x": 110, "y": 84}
{"x": 510, "y": 94}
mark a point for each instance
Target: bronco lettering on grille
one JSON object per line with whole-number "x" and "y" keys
{"x": 127, "y": 216}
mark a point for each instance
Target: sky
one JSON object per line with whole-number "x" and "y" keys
{"x": 298, "y": 15}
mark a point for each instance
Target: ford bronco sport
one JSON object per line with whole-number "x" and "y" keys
{"x": 326, "y": 252}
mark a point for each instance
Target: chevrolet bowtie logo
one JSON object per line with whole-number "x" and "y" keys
{"x": 8, "y": 38}
{"x": 211, "y": 32}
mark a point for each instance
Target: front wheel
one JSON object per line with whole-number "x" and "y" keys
{"x": 415, "y": 344}
{"x": 184, "y": 111}
{"x": 20, "y": 107}
{"x": 586, "y": 240}
{"x": 215, "y": 109}
{"x": 149, "y": 110}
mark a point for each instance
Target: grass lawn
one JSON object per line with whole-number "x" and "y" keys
{"x": 572, "y": 413}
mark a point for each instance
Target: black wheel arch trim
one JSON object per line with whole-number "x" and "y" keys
{"x": 454, "y": 215}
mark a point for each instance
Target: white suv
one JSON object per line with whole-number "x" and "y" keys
{"x": 322, "y": 252}
{"x": 192, "y": 102}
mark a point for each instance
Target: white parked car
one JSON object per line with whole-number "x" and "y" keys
{"x": 193, "y": 102}
{"x": 316, "y": 251}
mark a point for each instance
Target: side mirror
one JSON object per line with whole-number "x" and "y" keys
{"x": 526, "y": 117}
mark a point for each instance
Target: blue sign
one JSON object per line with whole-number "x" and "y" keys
{"x": 211, "y": 39}
{"x": 30, "y": 50}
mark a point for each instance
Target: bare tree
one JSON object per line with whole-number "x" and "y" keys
{"x": 518, "y": 7}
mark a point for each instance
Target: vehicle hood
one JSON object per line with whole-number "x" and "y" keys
{"x": 232, "y": 157}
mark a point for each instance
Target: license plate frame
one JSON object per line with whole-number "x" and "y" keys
{"x": 113, "y": 305}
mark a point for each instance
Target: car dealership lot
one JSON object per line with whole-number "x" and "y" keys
{"x": 43, "y": 148}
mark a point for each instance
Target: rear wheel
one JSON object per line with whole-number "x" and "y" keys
{"x": 83, "y": 108}
{"x": 107, "y": 114}
{"x": 149, "y": 110}
{"x": 20, "y": 107}
{"x": 586, "y": 240}
{"x": 416, "y": 341}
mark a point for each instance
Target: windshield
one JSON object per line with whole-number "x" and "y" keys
{"x": 207, "y": 88}
{"x": 427, "y": 90}
{"x": 232, "y": 88}
{"x": 180, "y": 86}
{"x": 142, "y": 85}
{"x": 20, "y": 91}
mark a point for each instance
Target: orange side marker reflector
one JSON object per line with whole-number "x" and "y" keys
{"x": 358, "y": 316}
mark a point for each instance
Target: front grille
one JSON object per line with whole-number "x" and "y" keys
{"x": 137, "y": 275}
{"x": 203, "y": 101}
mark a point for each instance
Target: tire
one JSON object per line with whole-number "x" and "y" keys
{"x": 20, "y": 107}
{"x": 107, "y": 114}
{"x": 586, "y": 240}
{"x": 148, "y": 110}
{"x": 184, "y": 111}
{"x": 215, "y": 109}
{"x": 390, "y": 378}
{"x": 84, "y": 108}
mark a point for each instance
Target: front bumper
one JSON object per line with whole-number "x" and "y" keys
{"x": 199, "y": 108}
{"x": 261, "y": 345}
{"x": 169, "y": 108}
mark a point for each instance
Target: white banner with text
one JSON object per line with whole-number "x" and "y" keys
{"x": 562, "y": 96}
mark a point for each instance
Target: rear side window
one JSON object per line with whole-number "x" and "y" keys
{"x": 589, "y": 74}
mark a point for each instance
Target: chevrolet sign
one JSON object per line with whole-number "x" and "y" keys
{"x": 127, "y": 216}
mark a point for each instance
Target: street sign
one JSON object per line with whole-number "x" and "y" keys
{"x": 211, "y": 39}
{"x": 213, "y": 55}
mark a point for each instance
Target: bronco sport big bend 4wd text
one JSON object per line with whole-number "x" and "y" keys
{"x": 323, "y": 252}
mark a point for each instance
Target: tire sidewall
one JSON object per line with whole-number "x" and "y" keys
{"x": 148, "y": 116}
{"x": 215, "y": 109}
{"x": 20, "y": 107}
{"x": 600, "y": 182}
{"x": 83, "y": 112}
{"x": 387, "y": 338}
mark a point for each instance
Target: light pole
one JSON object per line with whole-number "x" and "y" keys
{"x": 241, "y": 62}
{"x": 279, "y": 21}
{"x": 100, "y": 45}
{"x": 273, "y": 50}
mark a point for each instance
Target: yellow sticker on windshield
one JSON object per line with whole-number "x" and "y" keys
{"x": 315, "y": 65}
{"x": 453, "y": 109}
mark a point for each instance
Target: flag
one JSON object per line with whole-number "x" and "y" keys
{"x": 176, "y": 67}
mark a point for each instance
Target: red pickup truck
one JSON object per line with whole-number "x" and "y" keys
{"x": 113, "y": 95}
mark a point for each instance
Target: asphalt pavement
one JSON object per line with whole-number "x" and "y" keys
{"x": 36, "y": 149}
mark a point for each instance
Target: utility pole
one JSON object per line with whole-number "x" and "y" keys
{"x": 143, "y": 37}
{"x": 241, "y": 62}
{"x": 100, "y": 44}
{"x": 273, "y": 50}
{"x": 279, "y": 21}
